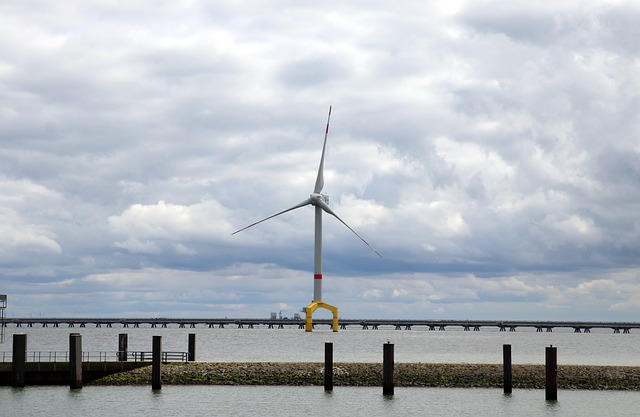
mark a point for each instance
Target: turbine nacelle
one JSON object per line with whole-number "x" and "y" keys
{"x": 317, "y": 198}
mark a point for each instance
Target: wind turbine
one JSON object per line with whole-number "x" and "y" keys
{"x": 321, "y": 203}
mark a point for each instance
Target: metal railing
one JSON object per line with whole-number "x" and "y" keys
{"x": 63, "y": 356}
{"x": 164, "y": 356}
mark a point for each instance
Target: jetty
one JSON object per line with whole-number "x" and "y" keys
{"x": 364, "y": 324}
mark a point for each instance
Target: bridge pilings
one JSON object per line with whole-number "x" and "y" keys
{"x": 367, "y": 324}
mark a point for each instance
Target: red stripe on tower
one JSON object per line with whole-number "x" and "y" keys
{"x": 317, "y": 276}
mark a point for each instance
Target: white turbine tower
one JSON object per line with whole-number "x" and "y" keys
{"x": 321, "y": 203}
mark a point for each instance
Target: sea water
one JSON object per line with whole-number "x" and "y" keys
{"x": 212, "y": 400}
{"x": 601, "y": 347}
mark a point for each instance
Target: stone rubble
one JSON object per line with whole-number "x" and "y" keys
{"x": 370, "y": 374}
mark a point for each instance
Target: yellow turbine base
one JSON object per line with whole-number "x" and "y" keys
{"x": 308, "y": 326}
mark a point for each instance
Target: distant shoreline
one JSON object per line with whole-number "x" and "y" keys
{"x": 587, "y": 377}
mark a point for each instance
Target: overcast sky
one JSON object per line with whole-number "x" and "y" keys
{"x": 489, "y": 150}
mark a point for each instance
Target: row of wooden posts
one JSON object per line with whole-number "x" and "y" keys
{"x": 387, "y": 368}
{"x": 75, "y": 364}
{"x": 551, "y": 370}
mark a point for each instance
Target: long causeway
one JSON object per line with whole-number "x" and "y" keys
{"x": 372, "y": 324}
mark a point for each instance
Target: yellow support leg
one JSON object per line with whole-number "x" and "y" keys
{"x": 308, "y": 325}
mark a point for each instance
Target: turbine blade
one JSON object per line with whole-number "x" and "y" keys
{"x": 302, "y": 204}
{"x": 320, "y": 178}
{"x": 326, "y": 208}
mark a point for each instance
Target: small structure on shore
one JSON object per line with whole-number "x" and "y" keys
{"x": 3, "y": 306}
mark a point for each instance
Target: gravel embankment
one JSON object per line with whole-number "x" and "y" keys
{"x": 370, "y": 374}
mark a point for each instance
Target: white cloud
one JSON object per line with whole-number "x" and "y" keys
{"x": 22, "y": 237}
{"x": 167, "y": 221}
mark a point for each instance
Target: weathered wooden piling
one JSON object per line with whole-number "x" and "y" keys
{"x": 75, "y": 360}
{"x": 156, "y": 363}
{"x": 507, "y": 371}
{"x": 387, "y": 369}
{"x": 192, "y": 348}
{"x": 328, "y": 366}
{"x": 551, "y": 368}
{"x": 18, "y": 366}
{"x": 123, "y": 345}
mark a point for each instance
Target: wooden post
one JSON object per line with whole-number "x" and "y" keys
{"x": 506, "y": 364}
{"x": 551, "y": 367}
{"x": 75, "y": 360}
{"x": 387, "y": 369}
{"x": 123, "y": 342}
{"x": 192, "y": 347}
{"x": 156, "y": 363}
{"x": 328, "y": 366}
{"x": 19, "y": 354}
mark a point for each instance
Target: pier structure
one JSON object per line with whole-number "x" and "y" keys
{"x": 302, "y": 323}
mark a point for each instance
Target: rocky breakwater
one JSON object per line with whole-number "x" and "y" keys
{"x": 370, "y": 374}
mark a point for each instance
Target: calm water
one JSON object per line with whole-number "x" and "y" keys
{"x": 196, "y": 401}
{"x": 292, "y": 345}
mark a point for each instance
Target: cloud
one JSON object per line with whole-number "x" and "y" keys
{"x": 487, "y": 149}
{"x": 25, "y": 231}
{"x": 172, "y": 221}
